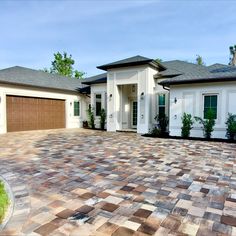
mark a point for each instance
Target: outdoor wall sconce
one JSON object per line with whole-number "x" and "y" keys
{"x": 110, "y": 96}
{"x": 142, "y": 95}
{"x": 70, "y": 103}
{"x": 175, "y": 101}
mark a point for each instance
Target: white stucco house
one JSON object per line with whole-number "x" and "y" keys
{"x": 132, "y": 91}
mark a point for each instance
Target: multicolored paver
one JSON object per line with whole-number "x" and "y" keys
{"x": 82, "y": 182}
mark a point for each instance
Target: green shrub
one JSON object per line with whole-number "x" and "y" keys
{"x": 208, "y": 123}
{"x": 4, "y": 201}
{"x": 155, "y": 132}
{"x": 102, "y": 118}
{"x": 90, "y": 113}
{"x": 187, "y": 123}
{"x": 231, "y": 126}
{"x": 162, "y": 121}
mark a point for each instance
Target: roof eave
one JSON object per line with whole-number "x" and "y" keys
{"x": 42, "y": 87}
{"x": 107, "y": 67}
{"x": 194, "y": 81}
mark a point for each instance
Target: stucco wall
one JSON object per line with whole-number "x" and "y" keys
{"x": 190, "y": 100}
{"x": 71, "y": 120}
{"x": 99, "y": 89}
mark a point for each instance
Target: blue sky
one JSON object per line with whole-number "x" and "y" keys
{"x": 98, "y": 32}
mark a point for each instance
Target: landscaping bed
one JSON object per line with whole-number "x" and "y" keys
{"x": 4, "y": 202}
{"x": 191, "y": 138}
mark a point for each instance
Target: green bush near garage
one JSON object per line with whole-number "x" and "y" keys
{"x": 4, "y": 201}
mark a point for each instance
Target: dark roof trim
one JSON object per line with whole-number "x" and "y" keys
{"x": 122, "y": 64}
{"x": 98, "y": 81}
{"x": 86, "y": 90}
{"x": 199, "y": 80}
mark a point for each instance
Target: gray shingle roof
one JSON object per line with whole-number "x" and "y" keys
{"x": 97, "y": 79}
{"x": 192, "y": 73}
{"x": 131, "y": 61}
{"x": 29, "y": 77}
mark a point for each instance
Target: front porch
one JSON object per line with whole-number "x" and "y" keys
{"x": 128, "y": 112}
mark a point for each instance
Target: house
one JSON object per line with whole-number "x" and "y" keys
{"x": 32, "y": 99}
{"x": 134, "y": 90}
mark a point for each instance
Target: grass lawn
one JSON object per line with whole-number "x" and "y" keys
{"x": 4, "y": 201}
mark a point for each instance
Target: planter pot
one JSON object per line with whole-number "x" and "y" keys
{"x": 10, "y": 208}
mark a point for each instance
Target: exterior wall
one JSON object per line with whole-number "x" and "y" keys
{"x": 71, "y": 120}
{"x": 99, "y": 89}
{"x": 190, "y": 100}
{"x": 143, "y": 77}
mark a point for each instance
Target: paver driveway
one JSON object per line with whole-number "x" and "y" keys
{"x": 121, "y": 183}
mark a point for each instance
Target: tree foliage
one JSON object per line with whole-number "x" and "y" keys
{"x": 159, "y": 60}
{"x": 63, "y": 65}
{"x": 232, "y": 58}
{"x": 199, "y": 60}
{"x": 91, "y": 119}
{"x": 208, "y": 123}
{"x": 187, "y": 125}
{"x": 231, "y": 126}
{"x": 163, "y": 122}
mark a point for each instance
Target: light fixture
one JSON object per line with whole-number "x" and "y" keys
{"x": 175, "y": 101}
{"x": 70, "y": 103}
{"x": 110, "y": 96}
{"x": 142, "y": 95}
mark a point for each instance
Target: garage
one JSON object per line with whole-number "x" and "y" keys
{"x": 31, "y": 113}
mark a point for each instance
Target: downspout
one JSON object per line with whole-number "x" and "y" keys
{"x": 165, "y": 88}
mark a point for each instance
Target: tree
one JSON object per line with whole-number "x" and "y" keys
{"x": 199, "y": 60}
{"x": 232, "y": 58}
{"x": 159, "y": 60}
{"x": 63, "y": 65}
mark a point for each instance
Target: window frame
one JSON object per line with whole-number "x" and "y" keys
{"x": 95, "y": 103}
{"x": 217, "y": 104}
{"x": 165, "y": 106}
{"x": 79, "y": 108}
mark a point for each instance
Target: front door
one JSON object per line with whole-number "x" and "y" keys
{"x": 134, "y": 114}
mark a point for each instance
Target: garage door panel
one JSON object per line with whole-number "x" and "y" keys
{"x": 28, "y": 113}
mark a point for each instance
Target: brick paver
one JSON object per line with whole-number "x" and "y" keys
{"x": 82, "y": 182}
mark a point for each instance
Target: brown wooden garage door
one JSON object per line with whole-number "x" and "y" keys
{"x": 29, "y": 113}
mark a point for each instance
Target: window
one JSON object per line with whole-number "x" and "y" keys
{"x": 98, "y": 104}
{"x": 76, "y": 108}
{"x": 210, "y": 102}
{"x": 161, "y": 104}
